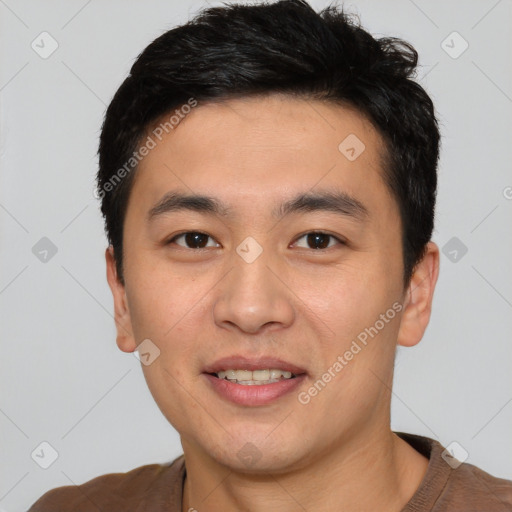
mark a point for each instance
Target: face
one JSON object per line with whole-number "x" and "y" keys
{"x": 287, "y": 258}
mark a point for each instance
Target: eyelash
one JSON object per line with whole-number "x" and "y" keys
{"x": 179, "y": 235}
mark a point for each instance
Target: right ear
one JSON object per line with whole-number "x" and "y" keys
{"x": 419, "y": 297}
{"x": 125, "y": 340}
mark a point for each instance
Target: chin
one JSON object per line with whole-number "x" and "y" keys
{"x": 257, "y": 453}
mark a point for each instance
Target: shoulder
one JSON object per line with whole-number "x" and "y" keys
{"x": 451, "y": 485}
{"x": 476, "y": 488}
{"x": 118, "y": 491}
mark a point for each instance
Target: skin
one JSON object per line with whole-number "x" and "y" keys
{"x": 295, "y": 302}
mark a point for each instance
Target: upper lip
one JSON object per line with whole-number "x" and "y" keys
{"x": 253, "y": 363}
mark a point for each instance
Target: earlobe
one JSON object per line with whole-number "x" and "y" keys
{"x": 418, "y": 298}
{"x": 125, "y": 339}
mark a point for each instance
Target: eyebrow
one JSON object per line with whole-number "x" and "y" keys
{"x": 332, "y": 201}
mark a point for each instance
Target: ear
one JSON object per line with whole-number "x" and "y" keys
{"x": 125, "y": 339}
{"x": 418, "y": 298}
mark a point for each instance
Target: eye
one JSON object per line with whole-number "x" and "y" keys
{"x": 318, "y": 240}
{"x": 193, "y": 240}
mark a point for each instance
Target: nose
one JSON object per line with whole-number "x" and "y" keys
{"x": 253, "y": 299}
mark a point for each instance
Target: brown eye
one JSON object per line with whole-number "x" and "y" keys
{"x": 194, "y": 240}
{"x": 318, "y": 240}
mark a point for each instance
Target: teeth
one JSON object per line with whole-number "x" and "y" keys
{"x": 261, "y": 375}
{"x": 275, "y": 374}
{"x": 256, "y": 377}
{"x": 243, "y": 375}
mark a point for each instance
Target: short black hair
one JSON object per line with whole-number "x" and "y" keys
{"x": 282, "y": 47}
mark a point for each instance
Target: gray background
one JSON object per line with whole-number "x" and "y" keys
{"x": 62, "y": 378}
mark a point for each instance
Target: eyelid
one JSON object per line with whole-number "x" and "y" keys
{"x": 182, "y": 233}
{"x": 341, "y": 241}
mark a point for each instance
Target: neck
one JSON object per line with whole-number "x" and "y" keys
{"x": 375, "y": 471}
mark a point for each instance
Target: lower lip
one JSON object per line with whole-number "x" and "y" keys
{"x": 261, "y": 394}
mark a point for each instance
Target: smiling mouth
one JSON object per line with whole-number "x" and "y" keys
{"x": 255, "y": 377}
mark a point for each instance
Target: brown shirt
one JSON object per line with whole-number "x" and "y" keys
{"x": 158, "y": 488}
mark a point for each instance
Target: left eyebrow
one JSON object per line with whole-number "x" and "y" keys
{"x": 338, "y": 202}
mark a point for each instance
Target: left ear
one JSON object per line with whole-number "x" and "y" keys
{"x": 418, "y": 298}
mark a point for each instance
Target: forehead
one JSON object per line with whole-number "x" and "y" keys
{"x": 252, "y": 150}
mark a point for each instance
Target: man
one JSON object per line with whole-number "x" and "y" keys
{"x": 268, "y": 180}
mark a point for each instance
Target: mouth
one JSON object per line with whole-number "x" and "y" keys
{"x": 255, "y": 377}
{"x": 252, "y": 382}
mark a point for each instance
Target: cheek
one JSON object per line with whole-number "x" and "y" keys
{"x": 161, "y": 300}
{"x": 355, "y": 311}
{"x": 169, "y": 310}
{"x": 348, "y": 296}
